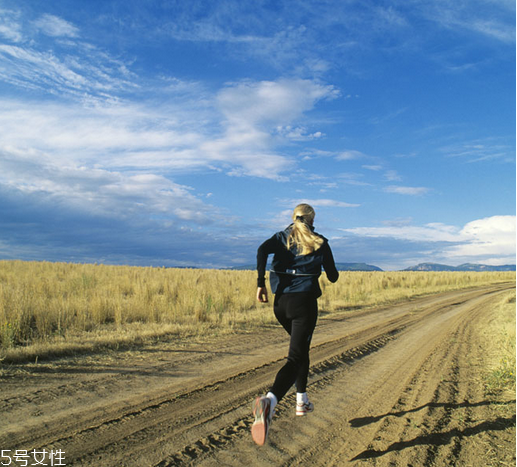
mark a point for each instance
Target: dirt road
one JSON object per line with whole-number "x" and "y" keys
{"x": 396, "y": 385}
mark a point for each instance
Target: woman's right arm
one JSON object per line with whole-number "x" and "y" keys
{"x": 263, "y": 252}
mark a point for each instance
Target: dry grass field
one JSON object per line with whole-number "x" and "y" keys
{"x": 59, "y": 308}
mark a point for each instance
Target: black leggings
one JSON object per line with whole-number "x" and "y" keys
{"x": 297, "y": 313}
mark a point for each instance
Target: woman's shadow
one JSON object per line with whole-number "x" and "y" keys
{"x": 439, "y": 438}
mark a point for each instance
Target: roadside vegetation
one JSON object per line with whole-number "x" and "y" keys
{"x": 60, "y": 308}
{"x": 500, "y": 342}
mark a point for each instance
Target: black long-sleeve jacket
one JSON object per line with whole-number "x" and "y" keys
{"x": 291, "y": 272}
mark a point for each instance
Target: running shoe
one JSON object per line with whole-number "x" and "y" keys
{"x": 303, "y": 408}
{"x": 263, "y": 415}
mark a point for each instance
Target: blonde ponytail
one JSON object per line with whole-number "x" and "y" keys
{"x": 301, "y": 235}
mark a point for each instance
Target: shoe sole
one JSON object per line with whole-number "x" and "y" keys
{"x": 260, "y": 427}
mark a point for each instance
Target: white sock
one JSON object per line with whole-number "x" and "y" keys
{"x": 302, "y": 398}
{"x": 273, "y": 399}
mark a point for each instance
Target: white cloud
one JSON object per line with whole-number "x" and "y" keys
{"x": 350, "y": 155}
{"x": 66, "y": 67}
{"x": 47, "y": 146}
{"x": 56, "y": 27}
{"x": 406, "y": 190}
{"x": 157, "y": 137}
{"x": 488, "y": 19}
{"x": 352, "y": 179}
{"x": 76, "y": 76}
{"x": 98, "y": 191}
{"x": 488, "y": 237}
{"x": 482, "y": 150}
{"x": 298, "y": 133}
{"x": 392, "y": 176}
{"x": 10, "y": 27}
{"x": 374, "y": 168}
{"x": 490, "y": 240}
{"x": 271, "y": 103}
{"x": 494, "y": 29}
{"x": 70, "y": 131}
{"x": 254, "y": 112}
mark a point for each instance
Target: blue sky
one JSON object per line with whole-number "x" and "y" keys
{"x": 183, "y": 133}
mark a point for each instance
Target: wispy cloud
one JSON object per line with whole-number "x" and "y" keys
{"x": 407, "y": 190}
{"x": 71, "y": 131}
{"x": 100, "y": 192}
{"x": 481, "y": 150}
{"x": 339, "y": 155}
{"x": 298, "y": 133}
{"x": 374, "y": 168}
{"x": 65, "y": 66}
{"x": 56, "y": 27}
{"x": 350, "y": 155}
{"x": 165, "y": 136}
{"x": 10, "y": 27}
{"x": 392, "y": 176}
{"x": 489, "y": 19}
{"x": 122, "y": 157}
{"x": 390, "y": 116}
{"x": 282, "y": 37}
{"x": 247, "y": 32}
{"x": 76, "y": 76}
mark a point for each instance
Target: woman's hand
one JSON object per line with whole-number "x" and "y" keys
{"x": 262, "y": 294}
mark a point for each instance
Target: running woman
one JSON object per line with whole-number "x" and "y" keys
{"x": 299, "y": 254}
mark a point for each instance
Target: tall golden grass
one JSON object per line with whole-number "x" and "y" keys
{"x": 57, "y": 307}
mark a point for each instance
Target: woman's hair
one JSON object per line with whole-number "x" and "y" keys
{"x": 301, "y": 235}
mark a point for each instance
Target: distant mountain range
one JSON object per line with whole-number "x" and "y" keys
{"x": 418, "y": 267}
{"x": 356, "y": 267}
{"x": 462, "y": 267}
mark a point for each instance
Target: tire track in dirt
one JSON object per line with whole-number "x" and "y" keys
{"x": 208, "y": 424}
{"x": 90, "y": 381}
